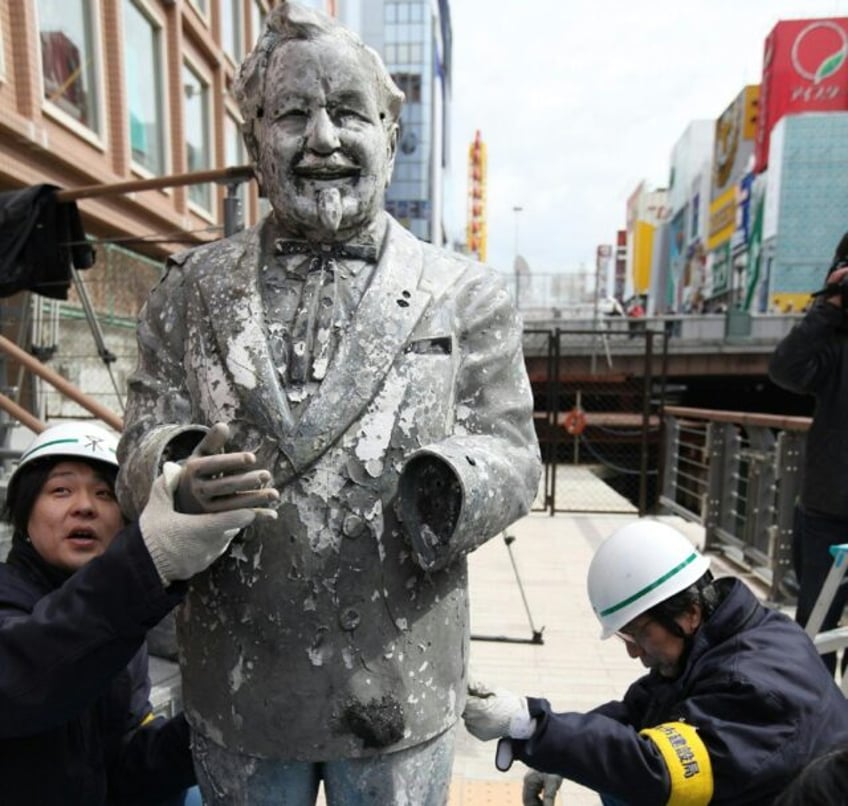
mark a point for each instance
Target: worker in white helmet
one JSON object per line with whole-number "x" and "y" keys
{"x": 78, "y": 592}
{"x": 734, "y": 703}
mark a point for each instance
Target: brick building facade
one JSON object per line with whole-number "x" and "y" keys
{"x": 99, "y": 92}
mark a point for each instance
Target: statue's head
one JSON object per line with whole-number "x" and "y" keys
{"x": 320, "y": 122}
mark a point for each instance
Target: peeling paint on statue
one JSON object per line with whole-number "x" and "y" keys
{"x": 381, "y": 381}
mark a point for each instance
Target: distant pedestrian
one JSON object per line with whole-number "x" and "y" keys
{"x": 636, "y": 312}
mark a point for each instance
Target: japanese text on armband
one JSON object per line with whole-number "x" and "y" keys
{"x": 689, "y": 768}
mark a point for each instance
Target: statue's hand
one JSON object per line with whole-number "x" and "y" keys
{"x": 215, "y": 482}
{"x": 182, "y": 545}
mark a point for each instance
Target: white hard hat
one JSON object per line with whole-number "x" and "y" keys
{"x": 74, "y": 440}
{"x": 639, "y": 566}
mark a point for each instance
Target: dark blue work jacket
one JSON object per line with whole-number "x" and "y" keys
{"x": 74, "y": 683}
{"x": 759, "y": 698}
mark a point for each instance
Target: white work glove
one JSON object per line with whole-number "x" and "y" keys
{"x": 492, "y": 714}
{"x": 540, "y": 788}
{"x": 183, "y": 545}
{"x": 213, "y": 482}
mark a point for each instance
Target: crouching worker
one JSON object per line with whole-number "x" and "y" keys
{"x": 735, "y": 701}
{"x": 78, "y": 592}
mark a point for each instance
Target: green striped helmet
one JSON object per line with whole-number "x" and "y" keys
{"x": 71, "y": 440}
{"x": 639, "y": 566}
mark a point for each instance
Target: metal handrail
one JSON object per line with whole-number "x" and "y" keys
{"x": 738, "y": 474}
{"x": 61, "y": 384}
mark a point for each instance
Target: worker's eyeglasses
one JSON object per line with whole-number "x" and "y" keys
{"x": 635, "y": 634}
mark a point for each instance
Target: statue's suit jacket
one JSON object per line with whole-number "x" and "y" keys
{"x": 320, "y": 636}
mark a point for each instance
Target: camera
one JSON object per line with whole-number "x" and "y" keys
{"x": 840, "y": 287}
{"x": 840, "y": 261}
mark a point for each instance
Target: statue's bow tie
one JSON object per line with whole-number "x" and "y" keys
{"x": 354, "y": 251}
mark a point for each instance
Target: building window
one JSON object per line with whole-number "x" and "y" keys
{"x": 143, "y": 76}
{"x": 693, "y": 233}
{"x": 198, "y": 151}
{"x": 232, "y": 29}
{"x": 257, "y": 18}
{"x": 69, "y": 57}
{"x": 234, "y": 155}
{"x": 410, "y": 83}
{"x": 2, "y": 58}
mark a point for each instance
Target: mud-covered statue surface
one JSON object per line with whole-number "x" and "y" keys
{"x": 381, "y": 381}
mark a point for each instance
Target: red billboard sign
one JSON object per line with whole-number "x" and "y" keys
{"x": 805, "y": 69}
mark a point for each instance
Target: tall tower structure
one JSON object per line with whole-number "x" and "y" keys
{"x": 414, "y": 37}
{"x": 475, "y": 236}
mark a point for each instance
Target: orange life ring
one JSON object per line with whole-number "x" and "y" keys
{"x": 575, "y": 422}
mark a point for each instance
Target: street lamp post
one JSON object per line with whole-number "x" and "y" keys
{"x": 516, "y": 210}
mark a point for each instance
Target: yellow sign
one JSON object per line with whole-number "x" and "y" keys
{"x": 722, "y": 219}
{"x": 475, "y": 231}
{"x": 643, "y": 250}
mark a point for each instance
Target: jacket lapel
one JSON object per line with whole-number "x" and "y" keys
{"x": 232, "y": 298}
{"x": 384, "y": 319}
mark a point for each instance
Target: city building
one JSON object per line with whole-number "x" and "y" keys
{"x": 415, "y": 39}
{"x": 103, "y": 92}
{"x": 755, "y": 228}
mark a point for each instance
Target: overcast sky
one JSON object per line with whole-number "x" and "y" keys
{"x": 579, "y": 100}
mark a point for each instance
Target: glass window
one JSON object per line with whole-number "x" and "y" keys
{"x": 143, "y": 76}
{"x": 234, "y": 155}
{"x": 695, "y": 215}
{"x": 2, "y": 58}
{"x": 198, "y": 151}
{"x": 410, "y": 83}
{"x": 233, "y": 144}
{"x": 231, "y": 29}
{"x": 68, "y": 57}
{"x": 257, "y": 17}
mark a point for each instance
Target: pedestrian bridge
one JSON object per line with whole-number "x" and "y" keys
{"x": 731, "y": 343}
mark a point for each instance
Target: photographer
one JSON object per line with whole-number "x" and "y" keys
{"x": 813, "y": 359}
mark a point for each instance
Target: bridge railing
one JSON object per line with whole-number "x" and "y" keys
{"x": 725, "y": 332}
{"x": 738, "y": 474}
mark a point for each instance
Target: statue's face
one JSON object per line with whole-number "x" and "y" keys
{"x": 325, "y": 154}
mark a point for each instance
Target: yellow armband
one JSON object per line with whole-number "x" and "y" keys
{"x": 688, "y": 762}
